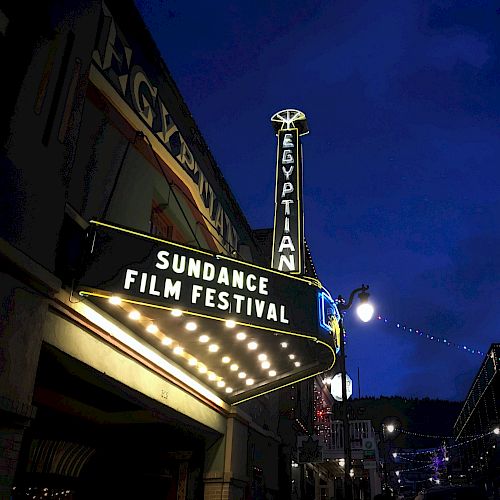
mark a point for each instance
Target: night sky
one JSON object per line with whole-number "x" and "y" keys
{"x": 401, "y": 179}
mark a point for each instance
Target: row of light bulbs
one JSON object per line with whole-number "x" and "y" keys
{"x": 191, "y": 326}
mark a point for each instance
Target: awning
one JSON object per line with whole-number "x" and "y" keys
{"x": 241, "y": 329}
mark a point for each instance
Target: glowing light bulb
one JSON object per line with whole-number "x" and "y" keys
{"x": 226, "y": 359}
{"x": 272, "y": 373}
{"x": 242, "y": 375}
{"x": 115, "y": 300}
{"x": 178, "y": 350}
{"x": 265, "y": 365}
{"x": 249, "y": 381}
{"x": 252, "y": 346}
{"x": 241, "y": 335}
{"x": 365, "y": 311}
{"x": 233, "y": 367}
{"x": 390, "y": 428}
{"x": 166, "y": 340}
{"x": 176, "y": 312}
{"x": 262, "y": 357}
{"x": 135, "y": 315}
{"x": 191, "y": 326}
{"x": 221, "y": 383}
{"x": 229, "y": 390}
{"x": 213, "y": 347}
{"x": 230, "y": 323}
{"x": 284, "y": 345}
{"x": 204, "y": 339}
{"x": 192, "y": 361}
{"x": 152, "y": 328}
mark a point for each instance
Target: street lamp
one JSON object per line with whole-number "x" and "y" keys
{"x": 365, "y": 312}
{"x": 389, "y": 432}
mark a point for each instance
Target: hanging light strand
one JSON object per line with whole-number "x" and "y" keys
{"x": 414, "y": 453}
{"x": 456, "y": 445}
{"x": 413, "y": 460}
{"x": 441, "y": 340}
{"x": 434, "y": 436}
{"x": 416, "y": 468}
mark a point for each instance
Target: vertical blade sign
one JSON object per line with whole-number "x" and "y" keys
{"x": 288, "y": 237}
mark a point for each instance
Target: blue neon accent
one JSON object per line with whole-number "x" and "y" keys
{"x": 326, "y": 309}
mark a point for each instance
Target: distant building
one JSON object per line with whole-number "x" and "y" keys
{"x": 479, "y": 450}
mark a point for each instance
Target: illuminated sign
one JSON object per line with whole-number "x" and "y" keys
{"x": 174, "y": 276}
{"x": 123, "y": 68}
{"x": 329, "y": 317}
{"x": 288, "y": 237}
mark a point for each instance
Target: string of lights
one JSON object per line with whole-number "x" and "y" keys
{"x": 414, "y": 453}
{"x": 302, "y": 426}
{"x": 434, "y": 436}
{"x": 413, "y": 460}
{"x": 417, "y": 468}
{"x": 456, "y": 445}
{"x": 441, "y": 340}
{"x": 390, "y": 428}
{"x": 470, "y": 440}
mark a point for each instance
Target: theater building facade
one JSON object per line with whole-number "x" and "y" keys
{"x": 147, "y": 347}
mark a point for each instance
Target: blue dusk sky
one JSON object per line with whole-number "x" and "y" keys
{"x": 401, "y": 166}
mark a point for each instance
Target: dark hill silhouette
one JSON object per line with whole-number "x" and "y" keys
{"x": 423, "y": 416}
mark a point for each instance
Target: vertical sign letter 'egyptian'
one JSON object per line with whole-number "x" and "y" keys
{"x": 288, "y": 238}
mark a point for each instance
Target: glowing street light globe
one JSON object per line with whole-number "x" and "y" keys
{"x": 336, "y": 387}
{"x": 365, "y": 311}
{"x": 390, "y": 428}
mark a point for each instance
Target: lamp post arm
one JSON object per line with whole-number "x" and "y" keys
{"x": 342, "y": 305}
